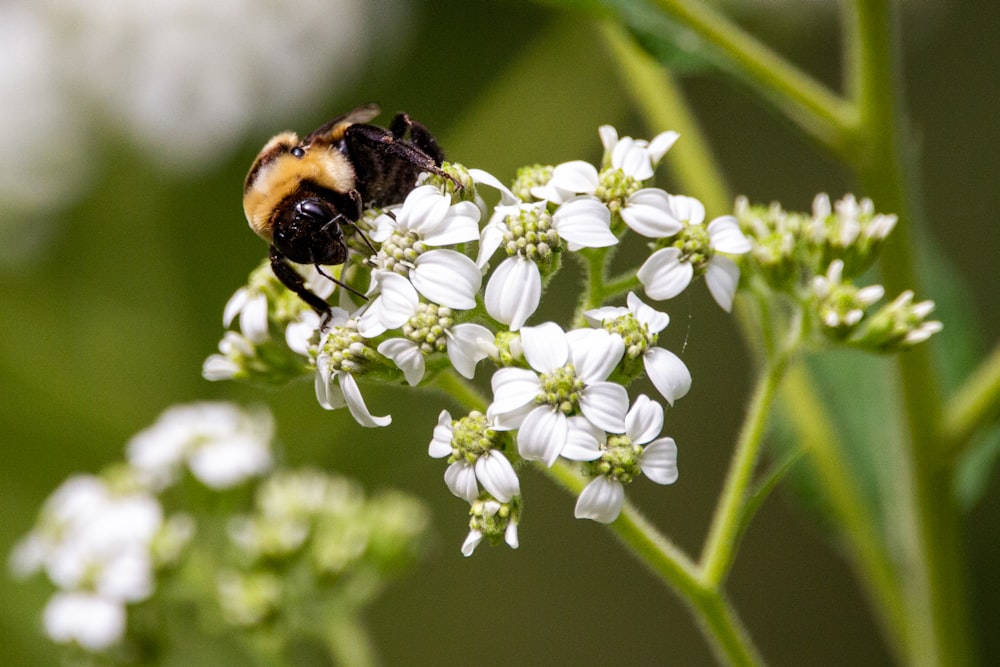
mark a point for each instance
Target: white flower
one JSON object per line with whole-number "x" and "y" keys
{"x": 476, "y": 463}
{"x": 337, "y": 388}
{"x": 92, "y": 621}
{"x": 221, "y": 444}
{"x": 638, "y": 326}
{"x": 569, "y": 377}
{"x": 668, "y": 271}
{"x": 568, "y": 180}
{"x": 251, "y": 307}
{"x": 430, "y": 328}
{"x": 635, "y": 157}
{"x": 602, "y": 499}
{"x": 530, "y": 234}
{"x": 406, "y": 265}
{"x": 488, "y": 516}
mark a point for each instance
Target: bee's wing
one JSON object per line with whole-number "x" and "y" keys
{"x": 334, "y": 130}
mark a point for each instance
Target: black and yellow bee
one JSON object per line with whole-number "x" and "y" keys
{"x": 299, "y": 194}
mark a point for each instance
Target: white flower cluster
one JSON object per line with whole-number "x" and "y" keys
{"x": 815, "y": 258}
{"x": 437, "y": 299}
{"x": 102, "y": 539}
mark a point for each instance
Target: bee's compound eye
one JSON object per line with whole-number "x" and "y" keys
{"x": 314, "y": 209}
{"x": 298, "y": 151}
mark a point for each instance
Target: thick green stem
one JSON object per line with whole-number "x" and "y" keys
{"x": 930, "y": 535}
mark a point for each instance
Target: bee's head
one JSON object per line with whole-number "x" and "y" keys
{"x": 308, "y": 232}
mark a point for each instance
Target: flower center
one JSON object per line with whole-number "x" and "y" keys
{"x": 620, "y": 459}
{"x": 561, "y": 389}
{"x": 400, "y": 251}
{"x": 427, "y": 327}
{"x": 344, "y": 350}
{"x": 530, "y": 233}
{"x": 471, "y": 437}
{"x": 694, "y": 244}
{"x": 636, "y": 335}
{"x": 614, "y": 187}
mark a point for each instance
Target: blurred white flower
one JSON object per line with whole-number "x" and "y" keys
{"x": 221, "y": 444}
{"x": 93, "y": 622}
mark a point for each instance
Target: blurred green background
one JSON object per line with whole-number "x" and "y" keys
{"x": 111, "y": 296}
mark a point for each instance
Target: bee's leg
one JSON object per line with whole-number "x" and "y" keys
{"x": 419, "y": 135}
{"x": 387, "y": 143}
{"x": 291, "y": 279}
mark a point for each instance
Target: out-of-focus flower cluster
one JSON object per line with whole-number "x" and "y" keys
{"x": 813, "y": 259}
{"x": 111, "y": 541}
{"x": 454, "y": 281}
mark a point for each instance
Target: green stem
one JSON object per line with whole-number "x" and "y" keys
{"x": 460, "y": 390}
{"x": 673, "y": 568}
{"x": 720, "y": 547}
{"x": 930, "y": 535}
{"x": 823, "y": 114}
{"x": 974, "y": 407}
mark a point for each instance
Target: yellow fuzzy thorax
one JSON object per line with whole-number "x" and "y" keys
{"x": 283, "y": 174}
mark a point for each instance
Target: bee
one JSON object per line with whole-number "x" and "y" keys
{"x": 299, "y": 195}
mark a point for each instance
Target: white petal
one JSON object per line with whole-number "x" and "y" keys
{"x": 253, "y": 319}
{"x": 583, "y": 440}
{"x": 594, "y": 353}
{"x": 489, "y": 241}
{"x": 663, "y": 275}
{"x": 510, "y": 533}
{"x": 440, "y": 446}
{"x": 632, "y": 158}
{"x": 609, "y": 136}
{"x": 598, "y": 316}
{"x": 667, "y": 373}
{"x": 396, "y": 303}
{"x": 506, "y": 196}
{"x": 407, "y": 357}
{"x": 687, "y": 209}
{"x": 654, "y": 320}
{"x": 660, "y": 144}
{"x": 472, "y": 541}
{"x": 459, "y": 225}
{"x": 235, "y": 305}
{"x": 461, "y": 480}
{"x": 585, "y": 222}
{"x": 644, "y": 420}
{"x": 545, "y": 347}
{"x": 512, "y": 388}
{"x": 605, "y": 405}
{"x": 510, "y": 420}
{"x": 356, "y": 403}
{"x": 218, "y": 367}
{"x": 513, "y": 292}
{"x": 725, "y": 236}
{"x": 424, "y": 206}
{"x": 448, "y": 278}
{"x": 601, "y": 500}
{"x": 328, "y": 394}
{"x": 577, "y": 176}
{"x": 93, "y": 621}
{"x": 497, "y": 476}
{"x": 722, "y": 277}
{"x": 659, "y": 461}
{"x": 468, "y": 344}
{"x": 648, "y": 213}
{"x": 542, "y": 435}
{"x": 299, "y": 332}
